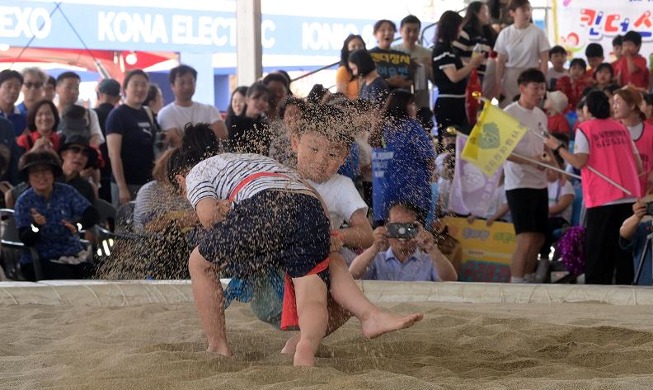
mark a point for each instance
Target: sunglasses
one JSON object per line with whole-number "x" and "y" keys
{"x": 78, "y": 149}
{"x": 30, "y": 85}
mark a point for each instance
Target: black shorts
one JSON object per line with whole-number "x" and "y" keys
{"x": 285, "y": 229}
{"x": 529, "y": 209}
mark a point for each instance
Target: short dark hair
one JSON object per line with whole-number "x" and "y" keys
{"x": 67, "y": 75}
{"x": 363, "y": 61}
{"x": 52, "y": 81}
{"x": 152, "y": 91}
{"x": 604, "y": 65}
{"x": 407, "y": 206}
{"x": 131, "y": 74}
{"x": 634, "y": 37}
{"x": 617, "y": 41}
{"x": 379, "y": 23}
{"x": 9, "y": 74}
{"x": 593, "y": 50}
{"x": 274, "y": 76}
{"x": 598, "y": 104}
{"x": 448, "y": 26}
{"x": 410, "y": 19}
{"x": 179, "y": 71}
{"x": 578, "y": 62}
{"x": 257, "y": 89}
{"x": 514, "y": 4}
{"x": 531, "y": 75}
{"x": 557, "y": 49}
{"x": 31, "y": 114}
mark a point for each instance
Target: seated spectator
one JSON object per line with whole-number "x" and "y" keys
{"x": 558, "y": 58}
{"x": 561, "y": 197}
{"x": 47, "y": 216}
{"x": 603, "y": 76}
{"x": 633, "y": 236}
{"x": 403, "y": 250}
{"x": 555, "y": 105}
{"x": 79, "y": 160}
{"x": 574, "y": 84}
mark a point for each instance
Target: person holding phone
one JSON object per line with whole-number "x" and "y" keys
{"x": 403, "y": 250}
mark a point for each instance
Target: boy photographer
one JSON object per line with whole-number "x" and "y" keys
{"x": 633, "y": 235}
{"x": 403, "y": 251}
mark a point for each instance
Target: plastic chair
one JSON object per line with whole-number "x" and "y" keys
{"x": 13, "y": 248}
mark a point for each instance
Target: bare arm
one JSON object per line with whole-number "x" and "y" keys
{"x": 455, "y": 75}
{"x": 114, "y": 145}
{"x": 359, "y": 233}
{"x": 211, "y": 211}
{"x": 361, "y": 263}
{"x": 544, "y": 61}
{"x": 443, "y": 267}
{"x": 173, "y": 136}
{"x": 629, "y": 226}
{"x": 500, "y": 70}
{"x": 561, "y": 205}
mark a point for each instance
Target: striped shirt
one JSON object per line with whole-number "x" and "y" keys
{"x": 218, "y": 176}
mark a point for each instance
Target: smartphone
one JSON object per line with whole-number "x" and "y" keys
{"x": 401, "y": 230}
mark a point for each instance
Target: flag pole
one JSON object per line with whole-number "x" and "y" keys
{"x": 478, "y": 96}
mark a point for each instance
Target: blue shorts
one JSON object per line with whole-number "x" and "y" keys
{"x": 273, "y": 228}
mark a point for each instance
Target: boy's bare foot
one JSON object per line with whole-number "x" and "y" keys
{"x": 291, "y": 345}
{"x": 222, "y": 350}
{"x": 304, "y": 354}
{"x": 381, "y": 322}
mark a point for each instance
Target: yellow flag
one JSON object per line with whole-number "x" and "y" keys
{"x": 492, "y": 139}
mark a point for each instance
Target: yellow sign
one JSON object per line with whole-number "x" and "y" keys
{"x": 487, "y": 251}
{"x": 492, "y": 139}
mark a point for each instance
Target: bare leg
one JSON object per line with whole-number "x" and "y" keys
{"x": 311, "y": 295}
{"x": 527, "y": 248}
{"x": 346, "y": 293}
{"x": 209, "y": 302}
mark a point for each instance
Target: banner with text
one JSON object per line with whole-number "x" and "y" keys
{"x": 580, "y": 22}
{"x": 487, "y": 251}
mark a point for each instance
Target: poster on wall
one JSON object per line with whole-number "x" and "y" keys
{"x": 580, "y": 22}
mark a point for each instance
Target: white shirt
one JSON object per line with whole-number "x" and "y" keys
{"x": 522, "y": 48}
{"x": 174, "y": 116}
{"x": 556, "y": 191}
{"x": 341, "y": 199}
{"x": 217, "y": 177}
{"x": 523, "y": 175}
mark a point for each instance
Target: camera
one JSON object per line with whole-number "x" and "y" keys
{"x": 649, "y": 208}
{"x": 402, "y": 230}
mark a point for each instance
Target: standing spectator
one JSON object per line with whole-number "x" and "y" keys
{"x": 574, "y": 85}
{"x": 249, "y": 132}
{"x": 108, "y": 96}
{"x": 607, "y": 206}
{"x": 594, "y": 55}
{"x": 450, "y": 75}
{"x": 408, "y": 175}
{"x": 519, "y": 46}
{"x": 558, "y": 58}
{"x": 394, "y": 66}
{"x": 631, "y": 68}
{"x": 130, "y": 140}
{"x": 346, "y": 82}
{"x": 409, "y": 28}
{"x": 237, "y": 101}
{"x": 626, "y": 109}
{"x": 49, "y": 88}
{"x": 174, "y": 116}
{"x": 525, "y": 182}
{"x": 617, "y": 47}
{"x": 68, "y": 91}
{"x": 153, "y": 104}
{"x": 278, "y": 89}
{"x": 10, "y": 85}
{"x": 373, "y": 88}
{"x": 476, "y": 31}
{"x": 42, "y": 122}
{"x": 33, "y": 82}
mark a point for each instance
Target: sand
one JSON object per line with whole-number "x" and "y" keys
{"x": 71, "y": 345}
